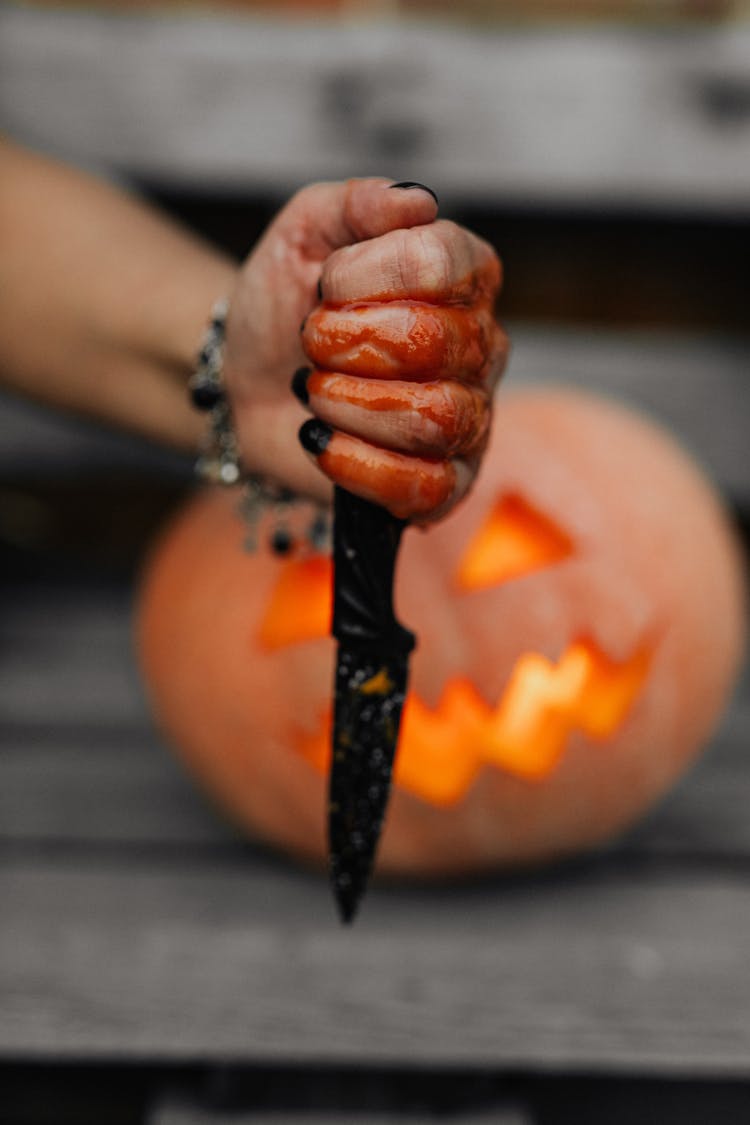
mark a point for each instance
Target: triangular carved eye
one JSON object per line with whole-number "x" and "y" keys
{"x": 514, "y": 540}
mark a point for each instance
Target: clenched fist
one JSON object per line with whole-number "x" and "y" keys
{"x": 385, "y": 314}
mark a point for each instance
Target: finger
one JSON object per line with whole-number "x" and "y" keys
{"x": 323, "y": 217}
{"x": 401, "y": 340}
{"x": 412, "y": 488}
{"x": 441, "y": 262}
{"x": 436, "y": 420}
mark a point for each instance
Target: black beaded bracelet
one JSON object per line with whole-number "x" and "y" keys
{"x": 219, "y": 462}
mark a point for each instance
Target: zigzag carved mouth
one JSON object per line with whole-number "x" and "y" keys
{"x": 443, "y": 749}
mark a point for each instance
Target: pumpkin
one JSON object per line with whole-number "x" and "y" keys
{"x": 579, "y": 623}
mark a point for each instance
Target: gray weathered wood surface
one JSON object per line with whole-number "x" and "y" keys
{"x": 584, "y": 115}
{"x": 81, "y": 764}
{"x": 643, "y": 970}
{"x": 136, "y": 925}
{"x": 179, "y": 1112}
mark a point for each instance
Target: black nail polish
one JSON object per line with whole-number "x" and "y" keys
{"x": 414, "y": 183}
{"x": 320, "y": 290}
{"x": 299, "y": 384}
{"x": 314, "y": 436}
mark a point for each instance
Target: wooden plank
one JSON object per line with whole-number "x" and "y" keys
{"x": 114, "y": 786}
{"x": 180, "y": 1112}
{"x": 705, "y": 816}
{"x": 585, "y": 115}
{"x": 94, "y": 788}
{"x": 80, "y": 760}
{"x": 66, "y": 656}
{"x": 81, "y": 763}
{"x": 582, "y": 970}
{"x": 695, "y": 383}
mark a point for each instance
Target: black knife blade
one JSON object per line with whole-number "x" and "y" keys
{"x": 370, "y": 687}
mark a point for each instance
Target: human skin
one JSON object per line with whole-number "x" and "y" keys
{"x": 104, "y": 301}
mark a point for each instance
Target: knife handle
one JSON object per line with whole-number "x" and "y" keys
{"x": 366, "y": 538}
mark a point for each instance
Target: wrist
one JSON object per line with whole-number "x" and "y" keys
{"x": 219, "y": 459}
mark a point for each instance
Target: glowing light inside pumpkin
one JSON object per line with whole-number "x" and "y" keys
{"x": 443, "y": 749}
{"x": 525, "y": 733}
{"x": 514, "y": 540}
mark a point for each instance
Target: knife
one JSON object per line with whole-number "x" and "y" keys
{"x": 372, "y": 665}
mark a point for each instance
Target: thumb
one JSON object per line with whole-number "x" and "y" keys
{"x": 323, "y": 217}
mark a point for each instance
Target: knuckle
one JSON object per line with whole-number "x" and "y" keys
{"x": 465, "y": 418}
{"x": 451, "y": 409}
{"x": 423, "y": 435}
{"x": 423, "y": 261}
{"x": 450, "y": 419}
{"x": 305, "y": 196}
{"x": 437, "y": 261}
{"x": 335, "y": 271}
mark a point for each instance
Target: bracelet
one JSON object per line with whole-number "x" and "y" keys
{"x": 219, "y": 461}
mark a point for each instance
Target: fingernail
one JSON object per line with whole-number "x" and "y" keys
{"x": 412, "y": 184}
{"x": 320, "y": 290}
{"x": 314, "y": 436}
{"x": 299, "y": 384}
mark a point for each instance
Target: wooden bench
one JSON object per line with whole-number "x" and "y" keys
{"x": 138, "y": 930}
{"x": 156, "y": 968}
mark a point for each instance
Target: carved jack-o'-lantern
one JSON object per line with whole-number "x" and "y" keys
{"x": 579, "y": 624}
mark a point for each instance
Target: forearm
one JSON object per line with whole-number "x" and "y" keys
{"x": 102, "y": 300}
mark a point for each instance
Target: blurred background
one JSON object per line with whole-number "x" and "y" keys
{"x": 603, "y": 146}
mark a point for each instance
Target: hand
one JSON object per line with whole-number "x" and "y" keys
{"x": 405, "y": 348}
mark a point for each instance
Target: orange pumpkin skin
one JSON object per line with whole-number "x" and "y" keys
{"x": 649, "y": 566}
